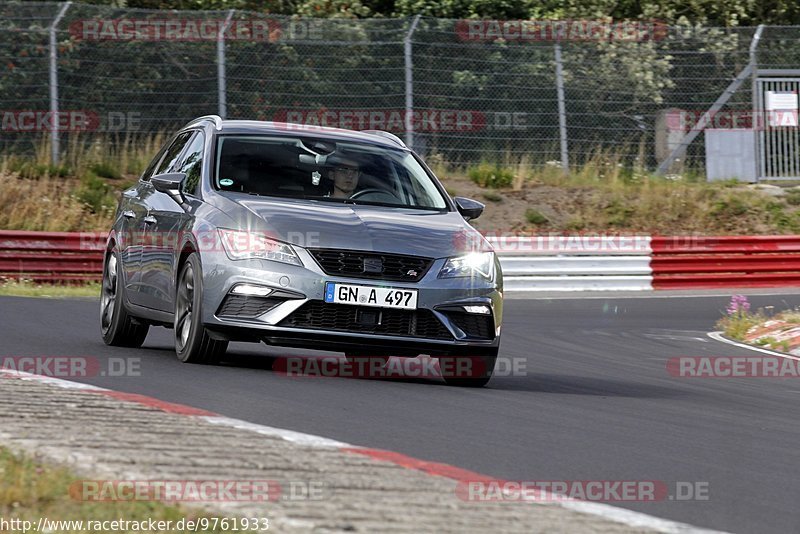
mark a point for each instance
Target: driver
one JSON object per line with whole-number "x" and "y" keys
{"x": 345, "y": 177}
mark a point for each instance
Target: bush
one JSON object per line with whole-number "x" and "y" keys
{"x": 728, "y": 208}
{"x": 793, "y": 197}
{"x": 492, "y": 196}
{"x": 619, "y": 212}
{"x": 95, "y": 193}
{"x": 779, "y": 217}
{"x": 32, "y": 170}
{"x": 494, "y": 176}
{"x": 105, "y": 170}
{"x": 535, "y": 217}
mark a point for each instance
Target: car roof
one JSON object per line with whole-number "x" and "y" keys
{"x": 374, "y": 137}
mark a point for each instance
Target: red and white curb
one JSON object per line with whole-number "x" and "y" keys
{"x": 604, "y": 511}
{"x": 645, "y": 263}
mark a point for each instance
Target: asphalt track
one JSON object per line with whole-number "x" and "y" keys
{"x": 595, "y": 401}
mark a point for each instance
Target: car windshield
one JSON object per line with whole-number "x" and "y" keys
{"x": 326, "y": 170}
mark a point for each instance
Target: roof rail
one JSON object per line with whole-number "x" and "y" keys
{"x": 386, "y": 135}
{"x": 216, "y": 119}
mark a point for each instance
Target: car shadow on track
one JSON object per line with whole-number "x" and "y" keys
{"x": 588, "y": 385}
{"x": 276, "y": 361}
{"x": 329, "y": 366}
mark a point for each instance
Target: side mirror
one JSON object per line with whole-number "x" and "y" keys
{"x": 170, "y": 183}
{"x": 468, "y": 208}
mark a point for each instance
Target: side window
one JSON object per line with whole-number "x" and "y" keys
{"x": 151, "y": 167}
{"x": 192, "y": 163}
{"x": 173, "y": 152}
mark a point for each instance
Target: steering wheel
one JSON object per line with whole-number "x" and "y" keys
{"x": 376, "y": 195}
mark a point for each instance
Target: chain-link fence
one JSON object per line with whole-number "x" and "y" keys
{"x": 461, "y": 92}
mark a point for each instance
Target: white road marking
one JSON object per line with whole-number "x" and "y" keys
{"x": 717, "y": 336}
{"x": 634, "y": 519}
{"x": 299, "y": 438}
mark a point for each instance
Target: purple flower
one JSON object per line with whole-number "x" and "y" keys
{"x": 738, "y": 305}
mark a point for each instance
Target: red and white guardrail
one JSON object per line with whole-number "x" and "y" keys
{"x": 643, "y": 262}
{"x": 530, "y": 263}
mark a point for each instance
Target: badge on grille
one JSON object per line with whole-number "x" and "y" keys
{"x": 373, "y": 265}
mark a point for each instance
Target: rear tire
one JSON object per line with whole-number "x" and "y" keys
{"x": 468, "y": 371}
{"x": 118, "y": 327}
{"x": 193, "y": 344}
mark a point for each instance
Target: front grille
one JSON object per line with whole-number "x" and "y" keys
{"x": 474, "y": 325}
{"x": 246, "y": 307}
{"x": 386, "y": 266}
{"x": 320, "y": 315}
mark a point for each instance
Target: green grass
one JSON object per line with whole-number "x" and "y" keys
{"x": 29, "y": 289}
{"x": 31, "y": 489}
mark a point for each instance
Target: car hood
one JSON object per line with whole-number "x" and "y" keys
{"x": 358, "y": 227}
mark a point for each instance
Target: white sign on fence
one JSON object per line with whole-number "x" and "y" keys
{"x": 782, "y": 106}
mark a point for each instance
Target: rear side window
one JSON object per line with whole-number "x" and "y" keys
{"x": 171, "y": 156}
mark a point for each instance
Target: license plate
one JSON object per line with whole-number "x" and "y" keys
{"x": 379, "y": 297}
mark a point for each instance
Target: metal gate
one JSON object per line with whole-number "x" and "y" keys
{"x": 776, "y": 121}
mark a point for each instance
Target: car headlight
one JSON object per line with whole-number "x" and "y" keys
{"x": 241, "y": 245}
{"x": 475, "y": 264}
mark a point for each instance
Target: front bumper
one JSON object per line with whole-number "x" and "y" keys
{"x": 304, "y": 286}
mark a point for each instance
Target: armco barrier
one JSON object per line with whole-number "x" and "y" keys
{"x": 532, "y": 263}
{"x": 575, "y": 263}
{"x": 51, "y": 256}
{"x": 730, "y": 261}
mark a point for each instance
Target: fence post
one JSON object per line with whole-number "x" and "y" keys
{"x": 409, "y": 67}
{"x": 54, "y": 149}
{"x": 562, "y": 110}
{"x": 222, "y": 82}
{"x": 758, "y": 131}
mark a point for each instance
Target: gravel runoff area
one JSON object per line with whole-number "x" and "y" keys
{"x": 102, "y": 435}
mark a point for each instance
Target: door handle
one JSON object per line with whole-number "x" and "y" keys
{"x": 128, "y": 214}
{"x": 149, "y": 220}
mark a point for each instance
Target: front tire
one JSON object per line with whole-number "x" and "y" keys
{"x": 119, "y": 328}
{"x": 468, "y": 371}
{"x": 192, "y": 341}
